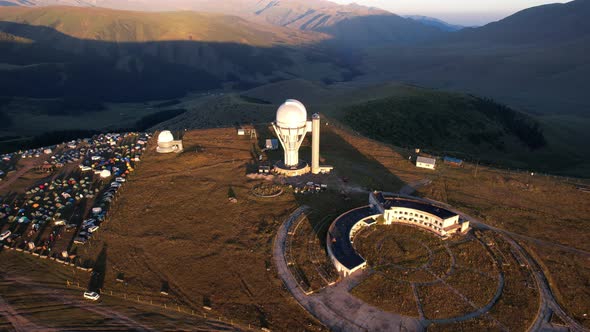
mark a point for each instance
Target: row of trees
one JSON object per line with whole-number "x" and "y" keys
{"x": 519, "y": 124}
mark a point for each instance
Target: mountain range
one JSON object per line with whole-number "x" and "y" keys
{"x": 535, "y": 60}
{"x": 351, "y": 23}
{"x": 435, "y": 22}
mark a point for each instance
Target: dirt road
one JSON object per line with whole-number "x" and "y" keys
{"x": 334, "y": 306}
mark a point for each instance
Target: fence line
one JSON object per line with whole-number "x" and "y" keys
{"x": 171, "y": 307}
{"x": 472, "y": 162}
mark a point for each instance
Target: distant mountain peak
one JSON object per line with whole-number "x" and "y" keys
{"x": 435, "y": 22}
{"x": 352, "y": 24}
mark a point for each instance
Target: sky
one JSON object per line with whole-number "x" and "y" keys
{"x": 464, "y": 12}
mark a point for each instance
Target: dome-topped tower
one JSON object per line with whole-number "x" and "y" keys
{"x": 292, "y": 114}
{"x": 291, "y": 127}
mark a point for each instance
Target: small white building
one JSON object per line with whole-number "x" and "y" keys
{"x": 167, "y": 143}
{"x": 423, "y": 162}
{"x": 241, "y": 132}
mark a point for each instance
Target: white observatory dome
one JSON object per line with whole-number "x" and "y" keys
{"x": 165, "y": 137}
{"x": 292, "y": 114}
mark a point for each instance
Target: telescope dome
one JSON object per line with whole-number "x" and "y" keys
{"x": 165, "y": 137}
{"x": 292, "y": 114}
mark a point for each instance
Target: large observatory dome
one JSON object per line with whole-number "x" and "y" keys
{"x": 165, "y": 137}
{"x": 292, "y": 114}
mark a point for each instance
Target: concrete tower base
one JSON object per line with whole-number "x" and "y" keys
{"x": 290, "y": 171}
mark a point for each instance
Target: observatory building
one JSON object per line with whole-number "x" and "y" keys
{"x": 394, "y": 210}
{"x": 167, "y": 143}
{"x": 291, "y": 126}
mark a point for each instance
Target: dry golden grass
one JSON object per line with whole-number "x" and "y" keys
{"x": 310, "y": 258}
{"x": 45, "y": 300}
{"x": 478, "y": 288}
{"x": 174, "y": 224}
{"x": 472, "y": 254}
{"x": 569, "y": 277}
{"x": 478, "y": 324}
{"x": 440, "y": 301}
{"x": 519, "y": 303}
{"x": 389, "y": 295}
{"x": 536, "y": 207}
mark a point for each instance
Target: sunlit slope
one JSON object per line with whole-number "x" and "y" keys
{"x": 352, "y": 25}
{"x": 119, "y": 55}
{"x": 129, "y": 26}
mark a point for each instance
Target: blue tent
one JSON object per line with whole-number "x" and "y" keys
{"x": 451, "y": 160}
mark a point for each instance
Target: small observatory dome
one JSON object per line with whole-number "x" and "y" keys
{"x": 292, "y": 114}
{"x": 165, "y": 137}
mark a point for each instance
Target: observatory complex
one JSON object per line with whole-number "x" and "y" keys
{"x": 393, "y": 209}
{"x": 167, "y": 143}
{"x": 291, "y": 126}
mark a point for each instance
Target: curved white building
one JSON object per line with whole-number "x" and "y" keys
{"x": 167, "y": 144}
{"x": 340, "y": 237}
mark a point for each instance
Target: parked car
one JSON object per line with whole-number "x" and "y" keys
{"x": 5, "y": 235}
{"x": 88, "y": 222}
{"x": 80, "y": 240}
{"x": 92, "y": 229}
{"x": 91, "y": 296}
{"x": 59, "y": 222}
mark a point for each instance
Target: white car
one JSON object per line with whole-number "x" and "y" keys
{"x": 91, "y": 296}
{"x": 5, "y": 235}
{"x": 92, "y": 229}
{"x": 120, "y": 179}
{"x": 80, "y": 240}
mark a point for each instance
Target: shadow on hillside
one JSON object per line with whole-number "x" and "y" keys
{"x": 61, "y": 65}
{"x": 96, "y": 282}
{"x": 380, "y": 30}
{"x": 354, "y": 176}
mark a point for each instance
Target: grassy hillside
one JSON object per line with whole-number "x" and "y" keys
{"x": 472, "y": 128}
{"x": 535, "y": 60}
{"x": 128, "y": 26}
{"x": 353, "y": 25}
{"x": 442, "y": 121}
{"x": 135, "y": 56}
{"x": 541, "y": 25}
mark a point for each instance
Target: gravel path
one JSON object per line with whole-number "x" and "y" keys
{"x": 334, "y": 306}
{"x": 337, "y": 309}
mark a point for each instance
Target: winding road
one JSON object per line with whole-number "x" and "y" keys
{"x": 336, "y": 308}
